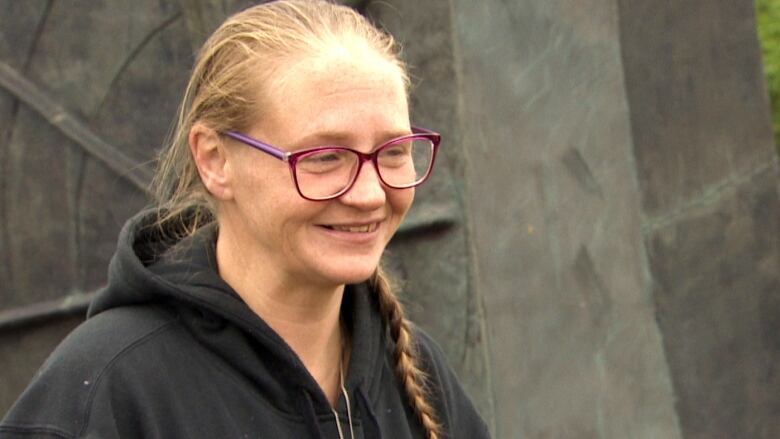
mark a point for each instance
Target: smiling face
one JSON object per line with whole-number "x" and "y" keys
{"x": 335, "y": 100}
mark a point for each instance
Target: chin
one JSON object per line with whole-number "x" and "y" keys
{"x": 349, "y": 273}
{"x": 357, "y": 277}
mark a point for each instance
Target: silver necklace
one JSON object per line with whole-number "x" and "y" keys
{"x": 346, "y": 398}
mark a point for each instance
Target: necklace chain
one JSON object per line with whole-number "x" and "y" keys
{"x": 346, "y": 396}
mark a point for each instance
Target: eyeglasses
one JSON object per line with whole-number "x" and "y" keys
{"x": 327, "y": 172}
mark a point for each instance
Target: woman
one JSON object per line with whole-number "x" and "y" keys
{"x": 250, "y": 302}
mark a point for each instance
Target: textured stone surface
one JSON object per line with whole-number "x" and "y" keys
{"x": 19, "y": 25}
{"x": 716, "y": 284}
{"x": 553, "y": 205}
{"x": 708, "y": 173}
{"x": 697, "y": 97}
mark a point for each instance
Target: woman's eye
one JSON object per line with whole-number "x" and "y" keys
{"x": 395, "y": 151}
{"x": 325, "y": 161}
{"x": 325, "y": 158}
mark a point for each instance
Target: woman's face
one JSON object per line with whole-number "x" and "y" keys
{"x": 320, "y": 103}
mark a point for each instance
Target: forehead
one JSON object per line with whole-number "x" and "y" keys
{"x": 332, "y": 91}
{"x": 339, "y": 66}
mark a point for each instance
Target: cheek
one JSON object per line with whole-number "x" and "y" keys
{"x": 260, "y": 180}
{"x": 400, "y": 201}
{"x": 261, "y": 194}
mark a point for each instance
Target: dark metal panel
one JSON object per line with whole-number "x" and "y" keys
{"x": 38, "y": 211}
{"x": 19, "y": 29}
{"x": 23, "y": 350}
{"x": 17, "y": 319}
{"x": 31, "y": 95}
{"x": 19, "y": 25}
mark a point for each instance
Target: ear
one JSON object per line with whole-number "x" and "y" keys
{"x": 211, "y": 159}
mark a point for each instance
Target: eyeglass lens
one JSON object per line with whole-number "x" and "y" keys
{"x": 324, "y": 173}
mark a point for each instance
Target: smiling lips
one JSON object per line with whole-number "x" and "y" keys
{"x": 366, "y": 228}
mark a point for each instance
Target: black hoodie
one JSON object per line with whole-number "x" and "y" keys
{"x": 170, "y": 351}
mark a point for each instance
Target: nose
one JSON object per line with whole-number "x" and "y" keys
{"x": 367, "y": 193}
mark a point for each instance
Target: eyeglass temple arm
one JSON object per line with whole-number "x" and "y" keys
{"x": 266, "y": 148}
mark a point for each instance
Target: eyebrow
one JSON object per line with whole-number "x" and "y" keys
{"x": 340, "y": 138}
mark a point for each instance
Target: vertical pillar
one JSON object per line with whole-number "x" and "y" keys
{"x": 553, "y": 204}
{"x": 708, "y": 175}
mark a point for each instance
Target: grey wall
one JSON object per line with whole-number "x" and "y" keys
{"x": 597, "y": 253}
{"x": 561, "y": 262}
{"x": 709, "y": 194}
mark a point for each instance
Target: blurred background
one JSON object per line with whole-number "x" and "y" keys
{"x": 598, "y": 252}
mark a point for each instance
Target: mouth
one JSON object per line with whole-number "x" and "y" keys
{"x": 364, "y": 228}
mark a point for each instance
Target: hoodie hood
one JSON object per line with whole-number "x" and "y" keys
{"x": 183, "y": 277}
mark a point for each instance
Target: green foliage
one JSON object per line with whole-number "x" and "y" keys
{"x": 768, "y": 16}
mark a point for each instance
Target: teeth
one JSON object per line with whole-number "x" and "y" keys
{"x": 358, "y": 229}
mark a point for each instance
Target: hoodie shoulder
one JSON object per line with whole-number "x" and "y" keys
{"x": 59, "y": 399}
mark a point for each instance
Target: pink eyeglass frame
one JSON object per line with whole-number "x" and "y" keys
{"x": 292, "y": 157}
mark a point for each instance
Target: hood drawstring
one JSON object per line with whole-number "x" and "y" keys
{"x": 371, "y": 428}
{"x": 309, "y": 415}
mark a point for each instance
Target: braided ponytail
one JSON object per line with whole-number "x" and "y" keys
{"x": 406, "y": 369}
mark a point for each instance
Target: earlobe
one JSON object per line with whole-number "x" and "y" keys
{"x": 209, "y": 154}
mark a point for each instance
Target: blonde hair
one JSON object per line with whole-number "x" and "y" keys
{"x": 243, "y": 55}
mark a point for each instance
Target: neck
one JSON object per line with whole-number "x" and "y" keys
{"x": 307, "y": 317}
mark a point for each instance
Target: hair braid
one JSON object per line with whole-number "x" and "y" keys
{"x": 406, "y": 369}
